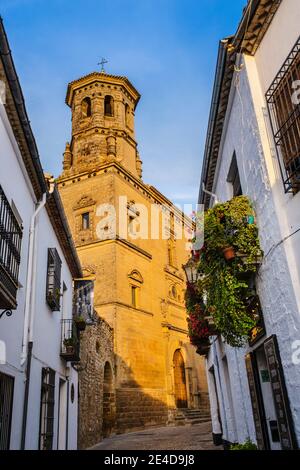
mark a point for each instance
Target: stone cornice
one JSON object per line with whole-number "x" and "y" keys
{"x": 174, "y": 328}
{"x": 119, "y": 241}
{"x": 150, "y": 191}
{"x": 127, "y": 306}
{"x": 103, "y": 78}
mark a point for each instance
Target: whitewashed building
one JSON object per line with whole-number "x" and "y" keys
{"x": 38, "y": 262}
{"x": 253, "y": 148}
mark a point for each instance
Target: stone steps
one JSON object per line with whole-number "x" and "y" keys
{"x": 185, "y": 417}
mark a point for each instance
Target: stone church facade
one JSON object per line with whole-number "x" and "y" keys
{"x": 139, "y": 280}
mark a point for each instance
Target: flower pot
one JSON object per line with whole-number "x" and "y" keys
{"x": 229, "y": 253}
{"x": 203, "y": 348}
{"x": 81, "y": 325}
{"x": 69, "y": 350}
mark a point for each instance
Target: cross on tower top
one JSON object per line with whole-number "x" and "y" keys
{"x": 102, "y": 63}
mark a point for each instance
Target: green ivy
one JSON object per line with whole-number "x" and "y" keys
{"x": 224, "y": 283}
{"x": 248, "y": 445}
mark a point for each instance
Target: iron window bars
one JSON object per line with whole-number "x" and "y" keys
{"x": 53, "y": 279}
{"x": 83, "y": 300}
{"x": 6, "y": 405}
{"x": 284, "y": 109}
{"x": 47, "y": 409}
{"x": 10, "y": 253}
{"x": 69, "y": 341}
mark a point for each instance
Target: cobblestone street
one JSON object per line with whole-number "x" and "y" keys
{"x": 196, "y": 437}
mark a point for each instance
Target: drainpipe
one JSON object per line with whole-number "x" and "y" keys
{"x": 27, "y": 344}
{"x": 67, "y": 417}
{"x": 29, "y": 284}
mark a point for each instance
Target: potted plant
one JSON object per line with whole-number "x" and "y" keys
{"x": 203, "y": 348}
{"x": 229, "y": 253}
{"x": 248, "y": 445}
{"x": 69, "y": 344}
{"x": 80, "y": 323}
{"x": 230, "y": 234}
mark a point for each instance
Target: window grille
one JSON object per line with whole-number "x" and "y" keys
{"x": 53, "y": 279}
{"x": 10, "y": 253}
{"x": 47, "y": 409}
{"x": 6, "y": 404}
{"x": 283, "y": 100}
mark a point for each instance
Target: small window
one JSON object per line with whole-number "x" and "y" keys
{"x": 171, "y": 253}
{"x": 86, "y": 107}
{"x": 134, "y": 296}
{"x": 234, "y": 178}
{"x": 108, "y": 106}
{"x": 174, "y": 292}
{"x": 85, "y": 221}
{"x": 53, "y": 279}
{"x": 47, "y": 409}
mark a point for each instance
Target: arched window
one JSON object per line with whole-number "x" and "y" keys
{"x": 108, "y": 106}
{"x": 136, "y": 281}
{"x": 86, "y": 107}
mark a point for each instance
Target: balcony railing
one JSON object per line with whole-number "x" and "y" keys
{"x": 70, "y": 346}
{"x": 83, "y": 301}
{"x": 10, "y": 254}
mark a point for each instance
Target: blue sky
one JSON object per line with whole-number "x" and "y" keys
{"x": 167, "y": 48}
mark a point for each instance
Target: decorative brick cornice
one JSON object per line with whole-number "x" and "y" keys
{"x": 103, "y": 78}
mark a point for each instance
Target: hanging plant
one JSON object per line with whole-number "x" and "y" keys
{"x": 229, "y": 259}
{"x": 200, "y": 325}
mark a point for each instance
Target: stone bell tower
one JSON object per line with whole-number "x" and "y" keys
{"x": 103, "y": 108}
{"x": 139, "y": 281}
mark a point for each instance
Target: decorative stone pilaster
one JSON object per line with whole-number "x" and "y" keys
{"x": 139, "y": 165}
{"x": 111, "y": 147}
{"x": 67, "y": 163}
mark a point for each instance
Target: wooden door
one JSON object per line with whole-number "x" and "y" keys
{"x": 179, "y": 380}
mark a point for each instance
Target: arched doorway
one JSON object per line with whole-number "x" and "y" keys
{"x": 179, "y": 380}
{"x": 109, "y": 406}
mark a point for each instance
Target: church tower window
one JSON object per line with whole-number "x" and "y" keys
{"x": 108, "y": 105}
{"x": 85, "y": 221}
{"x": 86, "y": 107}
{"x": 134, "y": 296}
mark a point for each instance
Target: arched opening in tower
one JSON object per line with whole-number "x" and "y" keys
{"x": 86, "y": 107}
{"x": 108, "y": 106}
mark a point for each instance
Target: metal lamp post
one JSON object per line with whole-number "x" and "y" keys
{"x": 191, "y": 271}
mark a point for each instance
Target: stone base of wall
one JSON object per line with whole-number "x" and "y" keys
{"x": 204, "y": 404}
{"x": 96, "y": 350}
{"x": 139, "y": 409}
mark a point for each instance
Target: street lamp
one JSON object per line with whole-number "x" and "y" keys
{"x": 191, "y": 271}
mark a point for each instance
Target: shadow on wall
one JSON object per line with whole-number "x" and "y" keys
{"x": 104, "y": 409}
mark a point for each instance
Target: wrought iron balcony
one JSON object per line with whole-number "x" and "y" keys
{"x": 70, "y": 345}
{"x": 83, "y": 302}
{"x": 284, "y": 110}
{"x": 10, "y": 251}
